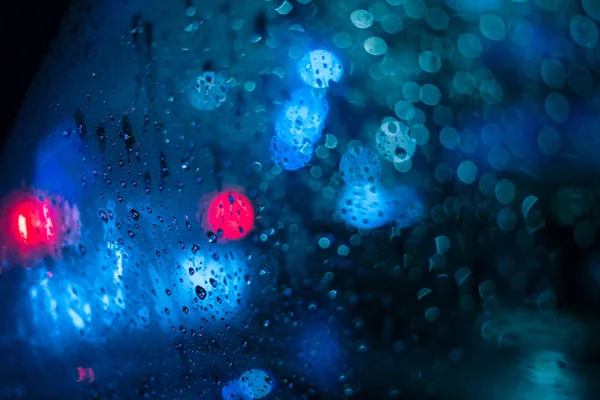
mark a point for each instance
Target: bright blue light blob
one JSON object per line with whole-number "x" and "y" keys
{"x": 364, "y": 207}
{"x": 320, "y": 354}
{"x": 59, "y": 163}
{"x": 256, "y": 383}
{"x": 67, "y": 307}
{"x": 235, "y": 390}
{"x": 288, "y": 156}
{"x": 360, "y": 166}
{"x": 302, "y": 119}
{"x": 318, "y": 67}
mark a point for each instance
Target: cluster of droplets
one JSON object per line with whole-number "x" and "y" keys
{"x": 252, "y": 384}
{"x": 300, "y": 124}
{"x": 364, "y": 203}
{"x": 208, "y": 91}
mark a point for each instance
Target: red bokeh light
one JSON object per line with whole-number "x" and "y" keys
{"x": 35, "y": 226}
{"x": 231, "y": 213}
{"x": 85, "y": 374}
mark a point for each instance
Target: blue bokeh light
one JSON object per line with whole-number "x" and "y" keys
{"x": 289, "y": 156}
{"x": 72, "y": 307}
{"x": 360, "y": 166}
{"x": 364, "y": 207}
{"x": 208, "y": 91}
{"x": 59, "y": 163}
{"x": 302, "y": 118}
{"x": 318, "y": 67}
{"x": 256, "y": 383}
{"x": 320, "y": 354}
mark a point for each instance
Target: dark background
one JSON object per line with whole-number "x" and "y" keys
{"x": 26, "y": 30}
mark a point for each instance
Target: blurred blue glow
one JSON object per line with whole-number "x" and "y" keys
{"x": 371, "y": 206}
{"x": 256, "y": 383}
{"x": 235, "y": 390}
{"x": 72, "y": 306}
{"x": 320, "y": 353}
{"x": 302, "y": 119}
{"x": 360, "y": 166}
{"x": 59, "y": 163}
{"x": 364, "y": 207}
{"x": 318, "y": 67}
{"x": 207, "y": 289}
{"x": 288, "y": 156}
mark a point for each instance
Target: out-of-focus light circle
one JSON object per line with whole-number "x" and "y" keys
{"x": 208, "y": 91}
{"x": 467, "y": 172}
{"x": 359, "y": 166}
{"x": 256, "y": 383}
{"x": 34, "y": 226}
{"x": 364, "y": 208}
{"x": 318, "y": 67}
{"x": 231, "y": 214}
{"x": 584, "y": 31}
{"x": 591, "y": 8}
{"x": 302, "y": 119}
{"x": 234, "y": 390}
{"x": 290, "y": 157}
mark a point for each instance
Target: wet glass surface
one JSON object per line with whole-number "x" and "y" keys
{"x": 306, "y": 199}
